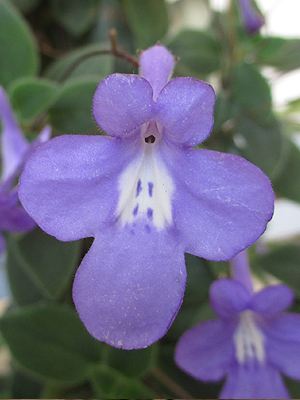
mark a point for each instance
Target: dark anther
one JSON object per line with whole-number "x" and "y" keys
{"x": 150, "y": 139}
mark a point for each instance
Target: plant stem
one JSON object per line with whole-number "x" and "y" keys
{"x": 170, "y": 384}
{"x": 114, "y": 51}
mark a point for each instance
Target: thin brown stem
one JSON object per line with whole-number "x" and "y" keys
{"x": 170, "y": 384}
{"x": 114, "y": 51}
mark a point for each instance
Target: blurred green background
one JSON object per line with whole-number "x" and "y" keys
{"x": 50, "y": 64}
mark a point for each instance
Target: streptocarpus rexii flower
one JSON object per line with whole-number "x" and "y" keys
{"x": 252, "y": 342}
{"x": 147, "y": 197}
{"x": 14, "y": 151}
{"x": 252, "y": 20}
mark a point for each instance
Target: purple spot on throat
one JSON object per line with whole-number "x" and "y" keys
{"x": 135, "y": 210}
{"x": 150, "y": 213}
{"x": 150, "y": 188}
{"x": 138, "y": 188}
{"x": 147, "y": 228}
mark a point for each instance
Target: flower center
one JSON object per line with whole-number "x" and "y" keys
{"x": 146, "y": 189}
{"x": 249, "y": 340}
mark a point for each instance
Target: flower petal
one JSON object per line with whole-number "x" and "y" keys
{"x": 253, "y": 21}
{"x": 283, "y": 343}
{"x": 13, "y": 217}
{"x": 229, "y": 297}
{"x": 185, "y": 109}
{"x": 156, "y": 65}
{"x": 222, "y": 203}
{"x": 69, "y": 184}
{"x": 272, "y": 300}
{"x": 206, "y": 350}
{"x": 254, "y": 382}
{"x": 130, "y": 286}
{"x": 14, "y": 146}
{"x": 122, "y": 103}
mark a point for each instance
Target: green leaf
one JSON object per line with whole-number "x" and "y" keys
{"x": 78, "y": 64}
{"x": 31, "y": 97}
{"x": 22, "y": 286}
{"x": 50, "y": 341}
{"x": 24, "y": 386}
{"x": 108, "y": 383}
{"x": 251, "y": 92}
{"x": 148, "y": 20}
{"x": 48, "y": 262}
{"x": 284, "y": 263}
{"x": 133, "y": 363}
{"x": 71, "y": 113}
{"x": 287, "y": 183}
{"x": 26, "y": 5}
{"x": 283, "y": 54}
{"x": 75, "y": 16}
{"x": 261, "y": 143}
{"x": 198, "y": 52}
{"x": 18, "y": 53}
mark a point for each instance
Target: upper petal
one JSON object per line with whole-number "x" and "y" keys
{"x": 122, "y": 103}
{"x": 69, "y": 184}
{"x": 272, "y": 300}
{"x": 229, "y": 297}
{"x": 156, "y": 65}
{"x": 253, "y": 382}
{"x": 206, "y": 350}
{"x": 130, "y": 286}
{"x": 14, "y": 146}
{"x": 283, "y": 343}
{"x": 222, "y": 203}
{"x": 185, "y": 109}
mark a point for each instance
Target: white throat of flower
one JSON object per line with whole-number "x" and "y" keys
{"x": 249, "y": 340}
{"x": 145, "y": 190}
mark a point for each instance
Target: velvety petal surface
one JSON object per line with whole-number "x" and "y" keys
{"x": 185, "y": 109}
{"x": 222, "y": 203}
{"x": 69, "y": 184}
{"x": 130, "y": 286}
{"x": 253, "y": 382}
{"x": 229, "y": 297}
{"x": 283, "y": 343}
{"x": 272, "y": 300}
{"x": 156, "y": 65}
{"x": 206, "y": 351}
{"x": 13, "y": 144}
{"x": 122, "y": 103}
{"x": 13, "y": 217}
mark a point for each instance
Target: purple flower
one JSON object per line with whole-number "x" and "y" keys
{"x": 252, "y": 20}
{"x": 251, "y": 343}
{"x": 147, "y": 197}
{"x": 14, "y": 151}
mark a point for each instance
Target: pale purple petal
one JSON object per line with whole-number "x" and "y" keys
{"x": 185, "y": 109}
{"x": 206, "y": 351}
{"x": 222, "y": 203}
{"x": 130, "y": 286}
{"x": 156, "y": 65}
{"x": 69, "y": 184}
{"x": 122, "y": 103}
{"x": 272, "y": 300}
{"x": 13, "y": 144}
{"x": 240, "y": 269}
{"x": 252, "y": 20}
{"x": 254, "y": 381}
{"x": 13, "y": 217}
{"x": 229, "y": 297}
{"x": 283, "y": 343}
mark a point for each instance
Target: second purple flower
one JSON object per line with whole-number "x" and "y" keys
{"x": 146, "y": 196}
